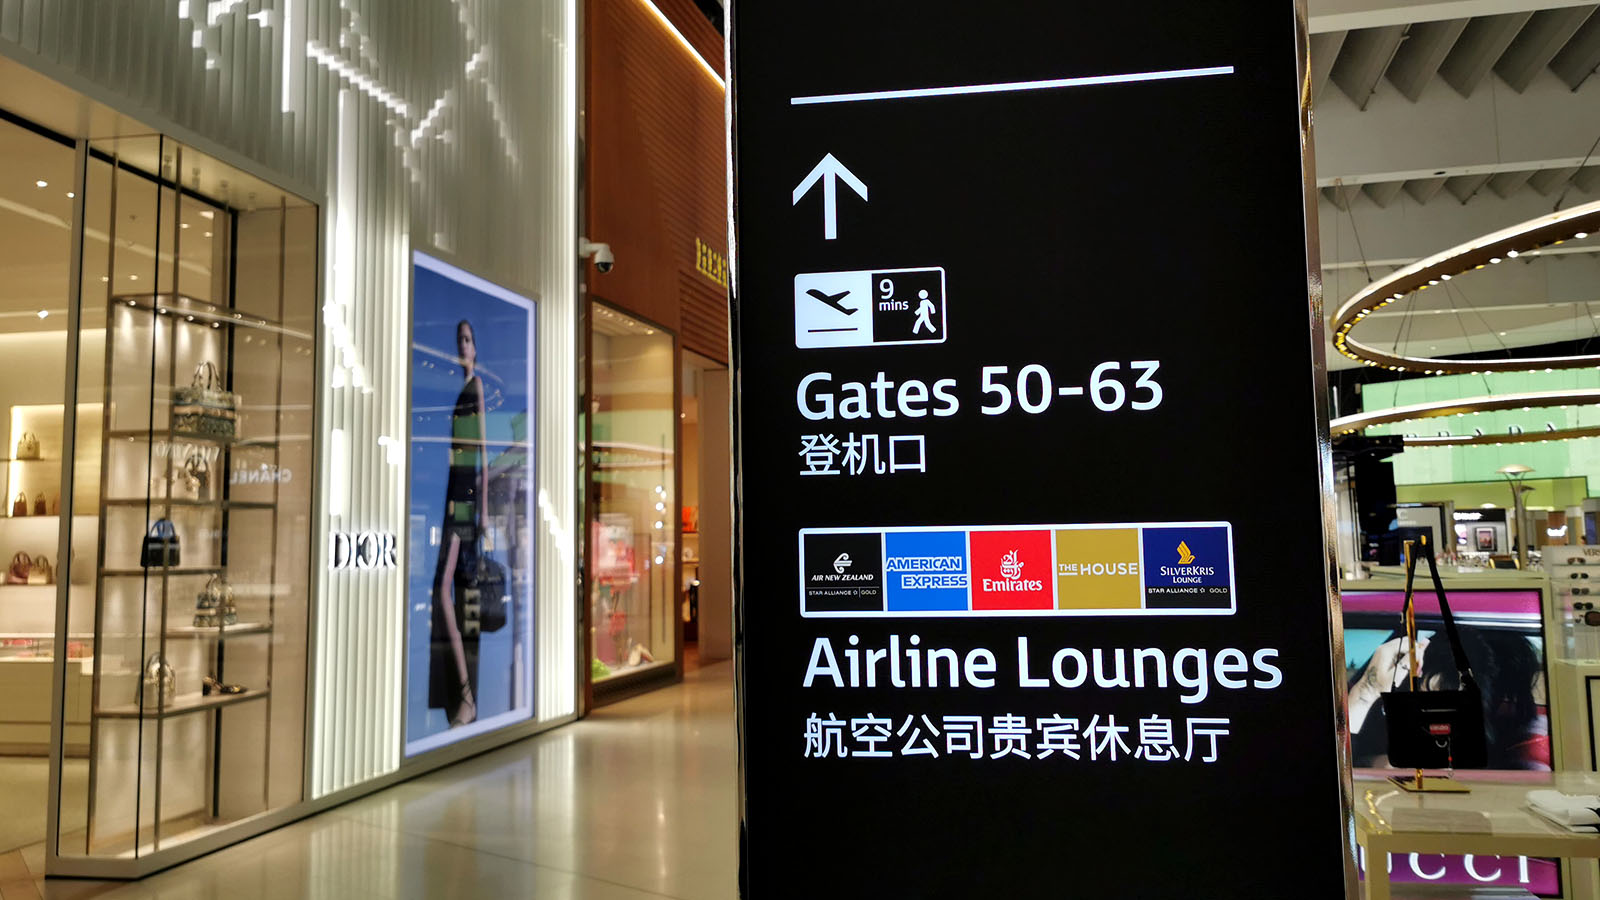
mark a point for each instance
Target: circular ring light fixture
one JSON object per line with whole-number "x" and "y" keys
{"x": 1570, "y": 224}
{"x": 1482, "y": 440}
{"x": 1440, "y": 408}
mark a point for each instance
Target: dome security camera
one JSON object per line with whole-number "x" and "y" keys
{"x": 604, "y": 261}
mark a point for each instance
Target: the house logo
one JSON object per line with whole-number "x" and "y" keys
{"x": 1010, "y": 567}
{"x": 1185, "y": 555}
{"x": 1098, "y": 569}
{"x": 841, "y": 562}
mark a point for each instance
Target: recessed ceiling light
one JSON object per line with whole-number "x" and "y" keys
{"x": 42, "y": 183}
{"x": 133, "y": 278}
{"x": 1511, "y": 254}
{"x": 208, "y": 234}
{"x": 184, "y": 225}
{"x": 71, "y": 195}
{"x": 207, "y": 214}
{"x": 104, "y": 279}
{"x": 43, "y": 313}
{"x": 1580, "y": 235}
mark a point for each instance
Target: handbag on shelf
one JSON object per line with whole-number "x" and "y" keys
{"x": 159, "y": 685}
{"x": 481, "y": 586}
{"x": 21, "y": 564}
{"x": 27, "y": 446}
{"x": 40, "y": 508}
{"x": 204, "y": 406}
{"x": 40, "y": 572}
{"x": 196, "y": 474}
{"x": 19, "y": 506}
{"x": 1435, "y": 729}
{"x": 160, "y": 548}
{"x": 213, "y": 606}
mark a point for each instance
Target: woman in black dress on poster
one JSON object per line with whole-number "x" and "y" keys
{"x": 453, "y": 664}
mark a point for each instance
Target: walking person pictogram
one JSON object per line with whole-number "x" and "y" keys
{"x": 925, "y": 311}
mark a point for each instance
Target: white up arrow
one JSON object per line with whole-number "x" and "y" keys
{"x": 829, "y": 171}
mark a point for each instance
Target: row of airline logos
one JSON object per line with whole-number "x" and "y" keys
{"x": 1084, "y": 570}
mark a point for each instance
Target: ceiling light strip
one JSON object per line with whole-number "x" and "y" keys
{"x": 1491, "y": 249}
{"x": 667, "y": 23}
{"x": 1438, "y": 408}
{"x": 1495, "y": 440}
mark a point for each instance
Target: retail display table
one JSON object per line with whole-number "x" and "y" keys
{"x": 1511, "y": 828}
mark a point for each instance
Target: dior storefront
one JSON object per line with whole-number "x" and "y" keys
{"x": 287, "y": 294}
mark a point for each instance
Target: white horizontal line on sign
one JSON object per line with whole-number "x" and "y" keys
{"x": 1084, "y": 81}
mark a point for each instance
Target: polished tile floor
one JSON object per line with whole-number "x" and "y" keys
{"x": 23, "y": 782}
{"x": 637, "y": 801}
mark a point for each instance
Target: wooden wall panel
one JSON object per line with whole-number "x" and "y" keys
{"x": 656, "y": 167}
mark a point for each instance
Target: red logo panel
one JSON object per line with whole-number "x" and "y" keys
{"x": 1011, "y": 570}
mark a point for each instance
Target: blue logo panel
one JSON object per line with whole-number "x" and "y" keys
{"x": 1188, "y": 567}
{"x": 926, "y": 571}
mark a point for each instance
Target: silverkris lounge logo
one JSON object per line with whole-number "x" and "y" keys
{"x": 1185, "y": 569}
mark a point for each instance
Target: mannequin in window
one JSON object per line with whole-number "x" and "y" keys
{"x": 453, "y": 664}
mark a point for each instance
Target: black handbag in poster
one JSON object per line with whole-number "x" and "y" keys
{"x": 481, "y": 584}
{"x": 1431, "y": 729}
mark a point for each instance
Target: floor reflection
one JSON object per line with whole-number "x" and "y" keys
{"x": 637, "y": 801}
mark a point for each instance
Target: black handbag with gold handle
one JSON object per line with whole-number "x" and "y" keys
{"x": 1433, "y": 729}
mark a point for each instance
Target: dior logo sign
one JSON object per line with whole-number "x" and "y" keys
{"x": 361, "y": 550}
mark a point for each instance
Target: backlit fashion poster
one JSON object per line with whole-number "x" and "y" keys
{"x": 469, "y": 627}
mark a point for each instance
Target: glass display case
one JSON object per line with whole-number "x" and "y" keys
{"x": 36, "y": 265}
{"x": 195, "y": 395}
{"x": 634, "y": 524}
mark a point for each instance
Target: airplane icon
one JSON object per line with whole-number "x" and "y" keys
{"x": 832, "y": 300}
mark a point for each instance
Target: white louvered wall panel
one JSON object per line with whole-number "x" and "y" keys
{"x": 444, "y": 125}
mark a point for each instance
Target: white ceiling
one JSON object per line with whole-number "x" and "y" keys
{"x": 1439, "y": 122}
{"x": 35, "y": 225}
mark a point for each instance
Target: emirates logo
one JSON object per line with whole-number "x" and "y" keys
{"x": 1010, "y": 567}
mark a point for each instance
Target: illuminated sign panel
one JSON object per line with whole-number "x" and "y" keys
{"x": 1023, "y": 564}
